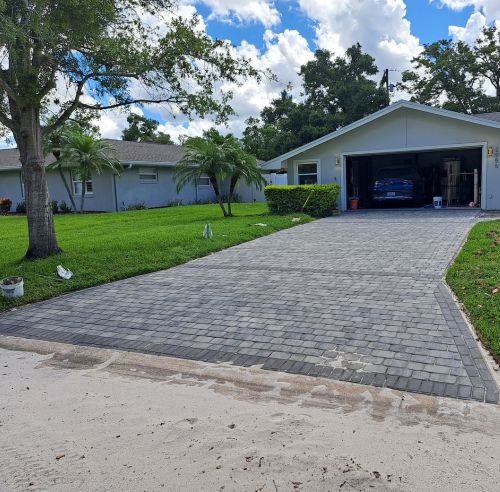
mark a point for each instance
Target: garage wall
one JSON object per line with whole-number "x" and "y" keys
{"x": 406, "y": 129}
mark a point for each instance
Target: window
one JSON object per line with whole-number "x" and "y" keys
{"x": 307, "y": 173}
{"x": 77, "y": 184}
{"x": 148, "y": 175}
{"x": 203, "y": 181}
{"x": 22, "y": 184}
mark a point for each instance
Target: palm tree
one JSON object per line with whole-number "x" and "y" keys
{"x": 243, "y": 166}
{"x": 204, "y": 157}
{"x": 87, "y": 155}
{"x": 53, "y": 145}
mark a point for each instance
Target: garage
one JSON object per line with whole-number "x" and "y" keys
{"x": 405, "y": 155}
{"x": 415, "y": 179}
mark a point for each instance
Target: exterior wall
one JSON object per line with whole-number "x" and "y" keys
{"x": 249, "y": 193}
{"x": 406, "y": 129}
{"x": 115, "y": 193}
{"x": 100, "y": 200}
{"x": 130, "y": 190}
{"x": 10, "y": 187}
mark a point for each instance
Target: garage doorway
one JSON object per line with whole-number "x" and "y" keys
{"x": 413, "y": 179}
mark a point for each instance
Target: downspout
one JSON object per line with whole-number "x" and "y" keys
{"x": 115, "y": 193}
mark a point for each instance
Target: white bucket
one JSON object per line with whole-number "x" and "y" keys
{"x": 12, "y": 290}
{"x": 438, "y": 201}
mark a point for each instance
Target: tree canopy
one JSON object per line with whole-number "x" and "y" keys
{"x": 454, "y": 75}
{"x": 59, "y": 56}
{"x": 142, "y": 129}
{"x": 336, "y": 91}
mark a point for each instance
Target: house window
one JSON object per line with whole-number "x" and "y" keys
{"x": 203, "y": 181}
{"x": 148, "y": 175}
{"x": 307, "y": 173}
{"x": 22, "y": 184}
{"x": 77, "y": 184}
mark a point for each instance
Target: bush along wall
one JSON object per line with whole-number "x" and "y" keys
{"x": 315, "y": 200}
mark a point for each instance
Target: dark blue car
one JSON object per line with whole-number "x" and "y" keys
{"x": 398, "y": 184}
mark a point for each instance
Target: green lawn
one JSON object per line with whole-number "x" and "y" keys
{"x": 99, "y": 248}
{"x": 475, "y": 278}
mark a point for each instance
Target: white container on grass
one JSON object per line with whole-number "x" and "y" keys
{"x": 12, "y": 287}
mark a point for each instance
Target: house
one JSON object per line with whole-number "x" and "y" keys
{"x": 455, "y": 156}
{"x": 147, "y": 178}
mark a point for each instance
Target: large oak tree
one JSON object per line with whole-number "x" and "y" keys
{"x": 454, "y": 75}
{"x": 336, "y": 91}
{"x": 59, "y": 56}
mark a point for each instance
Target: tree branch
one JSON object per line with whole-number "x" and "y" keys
{"x": 8, "y": 89}
{"x": 6, "y": 121}
{"x": 131, "y": 101}
{"x": 69, "y": 110}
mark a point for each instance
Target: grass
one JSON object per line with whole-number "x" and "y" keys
{"x": 100, "y": 248}
{"x": 475, "y": 279}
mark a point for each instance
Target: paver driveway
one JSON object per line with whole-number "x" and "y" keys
{"x": 357, "y": 298}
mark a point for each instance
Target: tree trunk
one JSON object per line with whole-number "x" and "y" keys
{"x": 82, "y": 197}
{"x": 41, "y": 231}
{"x": 232, "y": 186}
{"x": 66, "y": 185}
{"x": 215, "y": 186}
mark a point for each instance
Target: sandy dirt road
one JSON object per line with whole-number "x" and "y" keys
{"x": 75, "y": 418}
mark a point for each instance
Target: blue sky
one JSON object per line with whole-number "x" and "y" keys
{"x": 281, "y": 35}
{"x": 429, "y": 22}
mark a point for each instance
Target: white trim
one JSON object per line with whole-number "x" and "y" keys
{"x": 474, "y": 145}
{"x": 153, "y": 171}
{"x": 277, "y": 161}
{"x": 203, "y": 185}
{"x": 148, "y": 163}
{"x": 296, "y": 164}
{"x": 73, "y": 181}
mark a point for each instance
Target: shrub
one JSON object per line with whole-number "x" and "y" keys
{"x": 135, "y": 206}
{"x": 5, "y": 204}
{"x": 21, "y": 208}
{"x": 55, "y": 206}
{"x": 315, "y": 200}
{"x": 63, "y": 207}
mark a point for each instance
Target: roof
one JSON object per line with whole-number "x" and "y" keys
{"x": 480, "y": 119}
{"x": 489, "y": 116}
{"x": 137, "y": 153}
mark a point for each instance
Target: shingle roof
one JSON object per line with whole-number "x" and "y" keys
{"x": 127, "y": 152}
{"x": 489, "y": 116}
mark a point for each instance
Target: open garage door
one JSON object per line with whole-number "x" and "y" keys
{"x": 413, "y": 179}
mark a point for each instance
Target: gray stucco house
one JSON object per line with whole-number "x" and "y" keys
{"x": 147, "y": 177}
{"x": 457, "y": 156}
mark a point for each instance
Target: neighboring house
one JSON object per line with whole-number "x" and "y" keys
{"x": 147, "y": 178}
{"x": 456, "y": 156}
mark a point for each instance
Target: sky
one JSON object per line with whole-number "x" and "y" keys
{"x": 281, "y": 35}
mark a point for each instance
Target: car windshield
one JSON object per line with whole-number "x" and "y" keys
{"x": 395, "y": 173}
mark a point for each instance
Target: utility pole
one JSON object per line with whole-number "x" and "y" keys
{"x": 386, "y": 79}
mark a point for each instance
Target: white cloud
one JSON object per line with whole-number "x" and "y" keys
{"x": 379, "y": 26}
{"x": 471, "y": 31}
{"x": 491, "y": 8}
{"x": 283, "y": 55}
{"x": 262, "y": 11}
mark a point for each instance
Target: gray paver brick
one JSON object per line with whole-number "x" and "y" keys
{"x": 362, "y": 292}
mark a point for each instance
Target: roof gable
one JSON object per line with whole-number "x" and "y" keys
{"x": 485, "y": 120}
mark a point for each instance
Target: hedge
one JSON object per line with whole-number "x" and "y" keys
{"x": 315, "y": 200}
